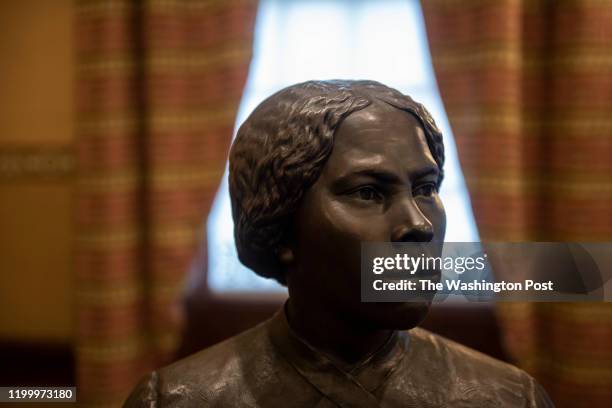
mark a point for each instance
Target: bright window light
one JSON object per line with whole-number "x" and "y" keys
{"x": 300, "y": 40}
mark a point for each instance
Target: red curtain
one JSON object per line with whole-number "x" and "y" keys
{"x": 159, "y": 83}
{"x": 527, "y": 86}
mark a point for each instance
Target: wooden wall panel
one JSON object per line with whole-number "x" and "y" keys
{"x": 36, "y": 183}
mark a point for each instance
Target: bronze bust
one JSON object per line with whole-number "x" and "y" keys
{"x": 315, "y": 170}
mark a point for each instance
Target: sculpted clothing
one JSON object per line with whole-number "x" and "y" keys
{"x": 270, "y": 366}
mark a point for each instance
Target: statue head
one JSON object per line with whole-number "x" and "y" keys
{"x": 289, "y": 161}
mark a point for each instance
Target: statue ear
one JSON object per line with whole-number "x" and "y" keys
{"x": 285, "y": 255}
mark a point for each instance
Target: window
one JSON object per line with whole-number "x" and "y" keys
{"x": 299, "y": 40}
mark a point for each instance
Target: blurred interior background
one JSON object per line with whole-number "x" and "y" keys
{"x": 116, "y": 250}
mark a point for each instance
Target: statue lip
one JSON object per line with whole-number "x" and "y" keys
{"x": 434, "y": 276}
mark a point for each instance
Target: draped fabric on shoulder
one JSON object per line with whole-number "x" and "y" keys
{"x": 527, "y": 86}
{"x": 270, "y": 366}
{"x": 159, "y": 83}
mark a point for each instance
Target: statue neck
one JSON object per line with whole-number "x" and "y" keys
{"x": 344, "y": 341}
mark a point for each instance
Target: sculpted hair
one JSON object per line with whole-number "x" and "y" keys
{"x": 279, "y": 153}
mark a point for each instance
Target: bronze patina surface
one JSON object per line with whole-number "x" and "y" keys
{"x": 317, "y": 169}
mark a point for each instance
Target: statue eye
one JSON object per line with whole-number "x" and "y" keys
{"x": 369, "y": 193}
{"x": 426, "y": 190}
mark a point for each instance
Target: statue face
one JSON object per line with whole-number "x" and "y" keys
{"x": 377, "y": 185}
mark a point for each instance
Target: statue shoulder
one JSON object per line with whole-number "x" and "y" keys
{"x": 471, "y": 372}
{"x": 145, "y": 394}
{"x": 206, "y": 378}
{"x": 460, "y": 357}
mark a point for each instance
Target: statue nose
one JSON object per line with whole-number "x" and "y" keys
{"x": 412, "y": 225}
{"x": 416, "y": 233}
